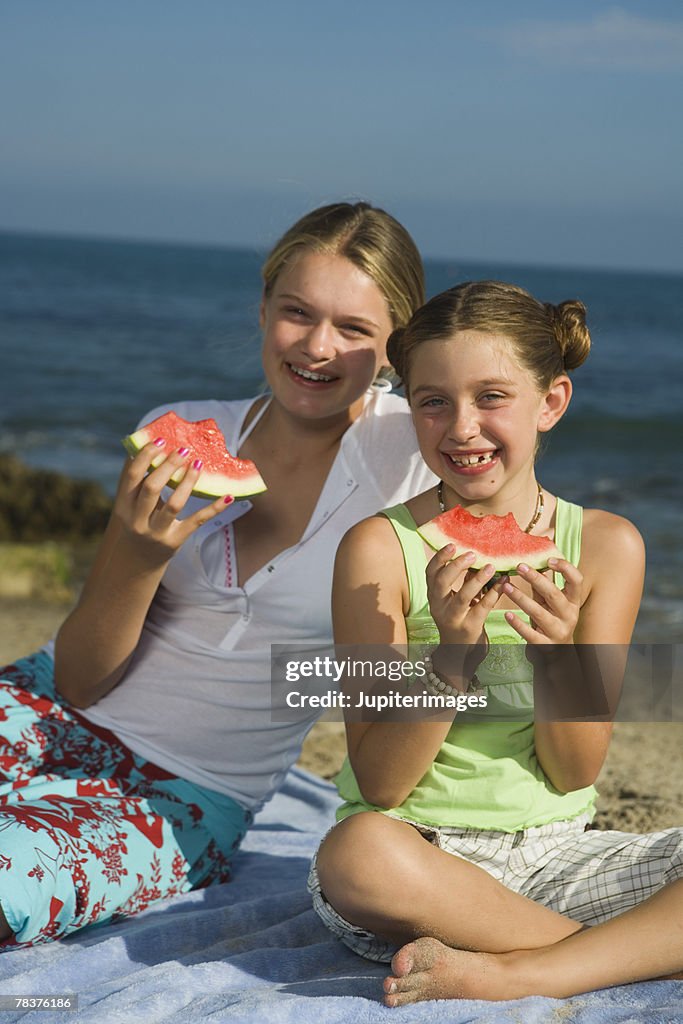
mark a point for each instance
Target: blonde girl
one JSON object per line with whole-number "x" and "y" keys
{"x": 139, "y": 746}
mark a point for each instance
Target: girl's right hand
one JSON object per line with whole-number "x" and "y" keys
{"x": 150, "y": 525}
{"x": 458, "y": 603}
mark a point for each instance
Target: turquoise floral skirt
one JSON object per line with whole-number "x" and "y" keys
{"x": 89, "y": 831}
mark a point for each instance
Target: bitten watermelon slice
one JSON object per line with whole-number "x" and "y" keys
{"x": 221, "y": 474}
{"x": 495, "y": 540}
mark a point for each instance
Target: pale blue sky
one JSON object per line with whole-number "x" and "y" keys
{"x": 534, "y": 132}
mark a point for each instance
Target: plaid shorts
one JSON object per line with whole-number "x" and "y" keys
{"x": 589, "y": 876}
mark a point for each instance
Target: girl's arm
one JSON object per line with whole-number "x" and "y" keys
{"x": 97, "y": 640}
{"x": 369, "y": 601}
{"x": 603, "y": 597}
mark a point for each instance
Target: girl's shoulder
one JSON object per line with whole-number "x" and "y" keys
{"x": 613, "y": 568}
{"x": 370, "y": 584}
{"x": 607, "y": 536}
{"x": 370, "y": 541}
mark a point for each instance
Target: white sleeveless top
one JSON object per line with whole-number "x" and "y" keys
{"x": 196, "y": 698}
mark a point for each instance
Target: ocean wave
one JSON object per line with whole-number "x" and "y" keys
{"x": 615, "y": 430}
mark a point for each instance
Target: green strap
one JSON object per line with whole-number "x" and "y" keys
{"x": 413, "y": 548}
{"x": 568, "y": 525}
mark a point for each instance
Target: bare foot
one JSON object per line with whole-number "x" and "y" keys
{"x": 426, "y": 969}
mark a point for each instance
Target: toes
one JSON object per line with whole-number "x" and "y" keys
{"x": 401, "y": 991}
{"x": 412, "y": 982}
{"x": 424, "y": 969}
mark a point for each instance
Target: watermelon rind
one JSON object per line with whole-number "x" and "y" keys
{"x": 238, "y": 477}
{"x": 495, "y": 540}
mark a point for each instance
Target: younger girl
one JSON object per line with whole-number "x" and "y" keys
{"x": 471, "y": 834}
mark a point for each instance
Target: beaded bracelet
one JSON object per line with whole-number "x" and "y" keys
{"x": 436, "y": 685}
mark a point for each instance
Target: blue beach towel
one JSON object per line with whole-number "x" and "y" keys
{"x": 253, "y": 951}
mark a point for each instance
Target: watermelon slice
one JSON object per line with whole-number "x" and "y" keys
{"x": 222, "y": 473}
{"x": 495, "y": 540}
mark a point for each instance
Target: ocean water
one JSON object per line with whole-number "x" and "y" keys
{"x": 95, "y": 333}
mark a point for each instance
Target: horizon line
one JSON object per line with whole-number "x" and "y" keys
{"x": 180, "y": 243}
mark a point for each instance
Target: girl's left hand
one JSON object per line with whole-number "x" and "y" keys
{"x": 554, "y": 613}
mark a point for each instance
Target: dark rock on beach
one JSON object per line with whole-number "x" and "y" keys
{"x": 39, "y": 504}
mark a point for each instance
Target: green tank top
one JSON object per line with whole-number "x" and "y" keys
{"x": 486, "y": 774}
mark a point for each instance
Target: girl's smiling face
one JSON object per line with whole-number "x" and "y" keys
{"x": 478, "y": 412}
{"x": 325, "y": 327}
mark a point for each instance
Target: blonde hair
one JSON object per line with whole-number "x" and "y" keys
{"x": 369, "y": 238}
{"x": 547, "y": 339}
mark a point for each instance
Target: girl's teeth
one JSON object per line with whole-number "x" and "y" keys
{"x": 472, "y": 460}
{"x": 309, "y": 375}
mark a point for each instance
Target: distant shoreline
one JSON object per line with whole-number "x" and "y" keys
{"x": 259, "y": 251}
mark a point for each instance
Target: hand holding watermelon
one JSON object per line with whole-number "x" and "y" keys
{"x": 460, "y": 601}
{"x": 152, "y": 524}
{"x": 554, "y": 613}
{"x": 193, "y": 459}
{"x": 495, "y": 547}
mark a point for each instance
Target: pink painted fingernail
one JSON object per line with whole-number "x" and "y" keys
{"x": 229, "y": 499}
{"x": 183, "y": 451}
{"x": 522, "y": 567}
{"x": 160, "y": 442}
{"x": 197, "y": 464}
{"x": 553, "y": 561}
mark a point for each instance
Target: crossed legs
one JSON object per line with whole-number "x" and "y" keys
{"x": 465, "y": 935}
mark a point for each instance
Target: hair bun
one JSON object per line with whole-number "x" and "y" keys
{"x": 573, "y": 336}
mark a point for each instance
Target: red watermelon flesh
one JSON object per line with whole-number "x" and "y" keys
{"x": 221, "y": 473}
{"x": 495, "y": 540}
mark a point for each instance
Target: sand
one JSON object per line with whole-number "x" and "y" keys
{"x": 639, "y": 785}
